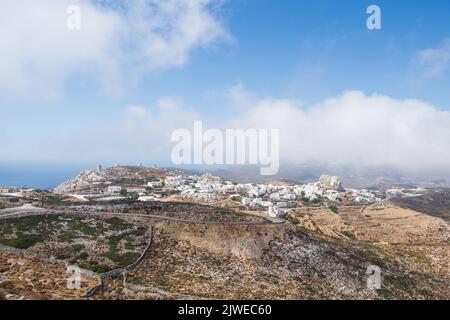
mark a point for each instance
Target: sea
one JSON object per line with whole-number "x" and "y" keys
{"x": 37, "y": 175}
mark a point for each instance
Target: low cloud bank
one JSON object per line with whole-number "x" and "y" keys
{"x": 353, "y": 130}
{"x": 361, "y": 130}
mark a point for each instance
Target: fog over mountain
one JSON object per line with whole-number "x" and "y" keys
{"x": 351, "y": 177}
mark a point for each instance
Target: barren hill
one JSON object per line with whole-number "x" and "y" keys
{"x": 100, "y": 178}
{"x": 435, "y": 202}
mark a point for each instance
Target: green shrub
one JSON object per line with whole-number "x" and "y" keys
{"x": 122, "y": 260}
{"x": 82, "y": 256}
{"x": 28, "y": 222}
{"x": 129, "y": 245}
{"x": 134, "y": 196}
{"x": 85, "y": 228}
{"x": 94, "y": 266}
{"x": 67, "y": 237}
{"x": 349, "y": 235}
{"x": 293, "y": 220}
{"x": 54, "y": 199}
{"x": 23, "y": 241}
{"x": 117, "y": 224}
{"x": 77, "y": 247}
{"x": 334, "y": 208}
{"x": 237, "y": 198}
{"x": 7, "y": 229}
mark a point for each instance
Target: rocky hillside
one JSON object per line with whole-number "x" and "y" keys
{"x": 294, "y": 263}
{"x": 100, "y": 178}
{"x": 434, "y": 202}
{"x": 314, "y": 255}
{"x": 24, "y": 276}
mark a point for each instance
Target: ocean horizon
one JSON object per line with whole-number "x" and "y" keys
{"x": 37, "y": 176}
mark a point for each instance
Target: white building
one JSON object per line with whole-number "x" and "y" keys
{"x": 154, "y": 184}
{"x": 266, "y": 203}
{"x": 140, "y": 191}
{"x": 113, "y": 189}
{"x": 276, "y": 212}
{"x": 333, "y": 195}
{"x": 175, "y": 181}
{"x": 282, "y": 204}
{"x": 246, "y": 201}
{"x": 8, "y": 189}
{"x": 147, "y": 198}
{"x": 310, "y": 190}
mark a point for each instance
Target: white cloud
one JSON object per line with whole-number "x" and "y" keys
{"x": 135, "y": 134}
{"x": 238, "y": 96}
{"x": 138, "y": 134}
{"x": 114, "y": 46}
{"x": 353, "y": 129}
{"x": 165, "y": 31}
{"x": 435, "y": 61}
{"x": 357, "y": 130}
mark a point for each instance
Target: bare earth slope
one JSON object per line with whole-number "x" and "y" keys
{"x": 434, "y": 202}
{"x": 208, "y": 252}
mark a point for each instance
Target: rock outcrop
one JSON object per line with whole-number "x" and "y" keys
{"x": 86, "y": 179}
{"x": 330, "y": 183}
{"x": 100, "y": 178}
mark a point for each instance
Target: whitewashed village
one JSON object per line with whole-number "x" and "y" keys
{"x": 275, "y": 199}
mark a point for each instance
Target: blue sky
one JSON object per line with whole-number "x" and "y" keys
{"x": 306, "y": 49}
{"x": 316, "y": 49}
{"x": 297, "y": 51}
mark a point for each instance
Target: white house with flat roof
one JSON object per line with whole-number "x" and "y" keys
{"x": 113, "y": 189}
{"x": 9, "y": 190}
{"x": 140, "y": 191}
{"x": 276, "y": 212}
{"x": 154, "y": 184}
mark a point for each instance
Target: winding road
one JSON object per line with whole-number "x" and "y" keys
{"x": 30, "y": 210}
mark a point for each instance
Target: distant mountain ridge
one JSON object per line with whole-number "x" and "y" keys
{"x": 357, "y": 178}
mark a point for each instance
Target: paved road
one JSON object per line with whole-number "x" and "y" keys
{"x": 24, "y": 208}
{"x": 165, "y": 218}
{"x": 30, "y": 213}
{"x": 20, "y": 211}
